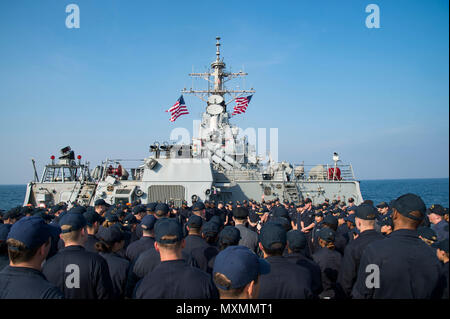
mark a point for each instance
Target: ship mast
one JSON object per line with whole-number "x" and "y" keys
{"x": 218, "y": 139}
{"x": 217, "y": 76}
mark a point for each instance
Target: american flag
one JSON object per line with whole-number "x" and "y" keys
{"x": 178, "y": 109}
{"x": 241, "y": 104}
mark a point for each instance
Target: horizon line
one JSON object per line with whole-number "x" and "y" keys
{"x": 359, "y": 180}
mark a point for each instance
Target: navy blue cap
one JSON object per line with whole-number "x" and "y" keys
{"x": 148, "y": 222}
{"x": 280, "y": 211}
{"x": 352, "y": 208}
{"x": 229, "y": 235}
{"x": 366, "y": 212}
{"x": 319, "y": 214}
{"x": 215, "y": 219}
{"x": 240, "y": 265}
{"x": 296, "y": 239}
{"x": 387, "y": 221}
{"x": 57, "y": 208}
{"x": 341, "y": 215}
{"x": 151, "y": 207}
{"x": 210, "y": 228}
{"x": 330, "y": 219}
{"x": 100, "y": 202}
{"x": 43, "y": 214}
{"x": 26, "y": 210}
{"x": 75, "y": 220}
{"x": 326, "y": 234}
{"x": 162, "y": 207}
{"x": 91, "y": 217}
{"x": 272, "y": 233}
{"x": 4, "y": 230}
{"x": 32, "y": 231}
{"x": 427, "y": 233}
{"x": 168, "y": 227}
{"x": 110, "y": 234}
{"x": 139, "y": 209}
{"x": 195, "y": 221}
{"x": 350, "y": 218}
{"x": 111, "y": 217}
{"x": 13, "y": 213}
{"x": 77, "y": 210}
{"x": 240, "y": 213}
{"x": 130, "y": 219}
{"x": 382, "y": 205}
{"x": 436, "y": 209}
{"x": 284, "y": 222}
{"x": 198, "y": 206}
{"x": 442, "y": 245}
{"x": 119, "y": 212}
{"x": 408, "y": 203}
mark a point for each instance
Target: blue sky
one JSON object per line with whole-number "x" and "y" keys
{"x": 379, "y": 97}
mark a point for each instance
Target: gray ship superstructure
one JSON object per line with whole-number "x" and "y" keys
{"x": 217, "y": 165}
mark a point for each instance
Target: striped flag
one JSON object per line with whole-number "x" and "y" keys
{"x": 241, "y": 104}
{"x": 178, "y": 109}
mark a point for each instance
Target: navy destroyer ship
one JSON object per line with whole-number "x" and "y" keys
{"x": 218, "y": 165}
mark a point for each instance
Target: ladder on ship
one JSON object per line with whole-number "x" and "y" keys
{"x": 291, "y": 192}
{"x": 85, "y": 193}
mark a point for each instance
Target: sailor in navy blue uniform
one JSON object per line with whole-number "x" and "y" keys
{"x": 173, "y": 278}
{"x": 100, "y": 207}
{"x": 130, "y": 224}
{"x": 228, "y": 236}
{"x": 329, "y": 262}
{"x": 112, "y": 240}
{"x": 297, "y": 252}
{"x": 286, "y": 280}
{"x": 200, "y": 257}
{"x": 237, "y": 273}
{"x": 365, "y": 217}
{"x": 306, "y": 219}
{"x": 442, "y": 254}
{"x": 147, "y": 240}
{"x": 150, "y": 210}
{"x": 139, "y": 212}
{"x": 4, "y": 258}
{"x": 28, "y": 244}
{"x": 93, "y": 221}
{"x": 248, "y": 237}
{"x": 229, "y": 214}
{"x": 194, "y": 239}
{"x": 161, "y": 210}
{"x": 221, "y": 212}
{"x": 383, "y": 211}
{"x": 400, "y": 266}
{"x": 318, "y": 224}
{"x": 199, "y": 209}
{"x": 185, "y": 211}
{"x": 428, "y": 235}
{"x": 79, "y": 274}
{"x": 387, "y": 226}
{"x": 439, "y": 224}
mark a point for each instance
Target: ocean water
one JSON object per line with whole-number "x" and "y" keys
{"x": 432, "y": 191}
